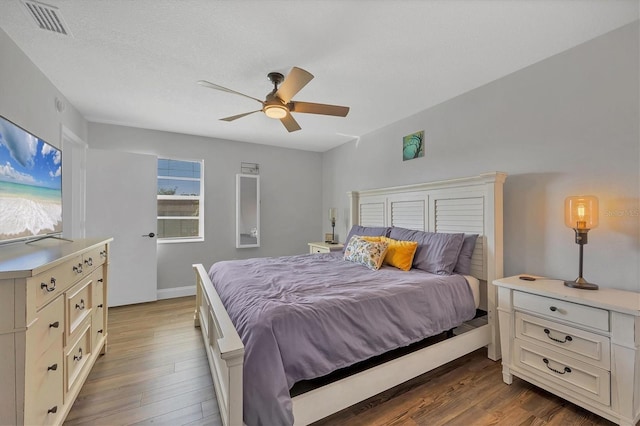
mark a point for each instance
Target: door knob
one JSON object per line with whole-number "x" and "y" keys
{"x": 150, "y": 235}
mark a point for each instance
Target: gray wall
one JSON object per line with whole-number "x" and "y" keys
{"x": 27, "y": 97}
{"x": 290, "y": 187}
{"x": 567, "y": 125}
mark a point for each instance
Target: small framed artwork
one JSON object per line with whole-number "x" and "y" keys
{"x": 413, "y": 146}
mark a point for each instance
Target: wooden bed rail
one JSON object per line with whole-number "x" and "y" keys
{"x": 223, "y": 346}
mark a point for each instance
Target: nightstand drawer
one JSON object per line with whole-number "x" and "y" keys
{"x": 583, "y": 345}
{"x": 575, "y": 376}
{"x": 324, "y": 247}
{"x": 582, "y": 315}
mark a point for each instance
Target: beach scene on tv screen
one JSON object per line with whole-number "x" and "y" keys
{"x": 30, "y": 184}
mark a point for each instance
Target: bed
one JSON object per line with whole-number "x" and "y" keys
{"x": 460, "y": 206}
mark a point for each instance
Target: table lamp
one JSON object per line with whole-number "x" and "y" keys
{"x": 581, "y": 214}
{"x": 333, "y": 215}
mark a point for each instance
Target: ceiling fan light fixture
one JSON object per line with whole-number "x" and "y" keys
{"x": 275, "y": 111}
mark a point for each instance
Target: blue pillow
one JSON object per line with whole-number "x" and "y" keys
{"x": 366, "y": 231}
{"x": 436, "y": 253}
{"x": 463, "y": 266}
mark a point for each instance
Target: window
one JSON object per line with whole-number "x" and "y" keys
{"x": 180, "y": 200}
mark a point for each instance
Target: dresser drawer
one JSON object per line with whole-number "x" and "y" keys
{"x": 583, "y": 345}
{"x": 78, "y": 304}
{"x": 77, "y": 355}
{"x": 98, "y": 288}
{"x": 94, "y": 258}
{"x": 44, "y": 388}
{"x": 47, "y": 328}
{"x": 575, "y": 376}
{"x": 98, "y": 317}
{"x": 582, "y": 315}
{"x": 54, "y": 281}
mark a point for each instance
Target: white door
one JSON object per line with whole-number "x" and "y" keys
{"x": 74, "y": 152}
{"x": 122, "y": 203}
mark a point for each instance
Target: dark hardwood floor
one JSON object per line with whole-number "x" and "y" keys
{"x": 156, "y": 372}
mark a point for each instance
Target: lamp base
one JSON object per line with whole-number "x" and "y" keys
{"x": 582, "y": 284}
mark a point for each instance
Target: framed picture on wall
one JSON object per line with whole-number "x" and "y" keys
{"x": 413, "y": 146}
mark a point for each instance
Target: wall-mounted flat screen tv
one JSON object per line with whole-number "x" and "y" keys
{"x": 30, "y": 185}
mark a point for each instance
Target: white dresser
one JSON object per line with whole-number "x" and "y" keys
{"x": 581, "y": 345}
{"x": 53, "y": 325}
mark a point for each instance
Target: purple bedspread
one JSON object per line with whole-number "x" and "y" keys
{"x": 302, "y": 317}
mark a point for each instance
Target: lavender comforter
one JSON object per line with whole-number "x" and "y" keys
{"x": 304, "y": 316}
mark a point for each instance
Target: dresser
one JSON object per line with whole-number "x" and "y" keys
{"x": 324, "y": 247}
{"x": 581, "y": 345}
{"x": 53, "y": 325}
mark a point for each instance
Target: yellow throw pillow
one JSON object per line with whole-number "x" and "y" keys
{"x": 399, "y": 253}
{"x": 371, "y": 239}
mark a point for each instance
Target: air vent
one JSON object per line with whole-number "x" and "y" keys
{"x": 47, "y": 17}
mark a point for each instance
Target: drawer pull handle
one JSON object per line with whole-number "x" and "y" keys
{"x": 103, "y": 253}
{"x": 45, "y": 286}
{"x": 54, "y": 324}
{"x": 100, "y": 305}
{"x": 566, "y": 369}
{"x": 100, "y": 280}
{"x": 80, "y": 305}
{"x": 52, "y": 410}
{"x": 78, "y": 357}
{"x": 53, "y": 367}
{"x": 553, "y": 308}
{"x": 100, "y": 331}
{"x": 88, "y": 262}
{"x": 566, "y": 338}
{"x": 78, "y": 269}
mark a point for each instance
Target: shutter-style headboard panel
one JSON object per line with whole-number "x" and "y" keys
{"x": 372, "y": 214}
{"x": 470, "y": 205}
{"x": 409, "y": 214}
{"x": 463, "y": 215}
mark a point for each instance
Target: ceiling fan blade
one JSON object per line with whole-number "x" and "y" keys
{"x": 210, "y": 85}
{"x": 312, "y": 108}
{"x": 235, "y": 117}
{"x": 293, "y": 83}
{"x": 290, "y": 123}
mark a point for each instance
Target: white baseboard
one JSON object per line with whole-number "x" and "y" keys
{"x": 171, "y": 293}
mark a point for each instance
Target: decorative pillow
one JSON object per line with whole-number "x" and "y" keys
{"x": 367, "y": 253}
{"x": 399, "y": 254}
{"x": 463, "y": 266}
{"x": 436, "y": 253}
{"x": 372, "y": 231}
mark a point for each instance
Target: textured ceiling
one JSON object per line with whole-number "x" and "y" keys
{"x": 136, "y": 63}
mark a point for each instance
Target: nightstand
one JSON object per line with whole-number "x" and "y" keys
{"x": 324, "y": 247}
{"x": 581, "y": 345}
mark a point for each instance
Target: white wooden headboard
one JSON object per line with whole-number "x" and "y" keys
{"x": 471, "y": 205}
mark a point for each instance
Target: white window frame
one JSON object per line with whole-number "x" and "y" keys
{"x": 200, "y": 237}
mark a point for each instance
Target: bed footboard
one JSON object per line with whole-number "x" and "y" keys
{"x": 224, "y": 348}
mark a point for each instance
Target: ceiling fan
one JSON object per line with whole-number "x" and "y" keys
{"x": 278, "y": 103}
